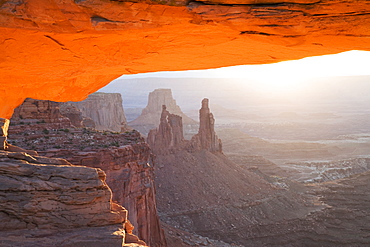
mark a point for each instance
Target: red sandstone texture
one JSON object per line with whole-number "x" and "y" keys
{"x": 65, "y": 50}
{"x": 50, "y": 202}
{"x": 124, "y": 157}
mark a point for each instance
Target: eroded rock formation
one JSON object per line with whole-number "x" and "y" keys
{"x": 125, "y": 158}
{"x": 206, "y": 139}
{"x": 105, "y": 109}
{"x": 44, "y": 111}
{"x": 151, "y": 115}
{"x": 73, "y": 113}
{"x": 168, "y": 135}
{"x": 202, "y": 191}
{"x": 4, "y": 125}
{"x": 49, "y": 202}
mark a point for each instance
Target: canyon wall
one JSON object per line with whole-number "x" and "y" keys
{"x": 49, "y": 202}
{"x": 105, "y": 109}
{"x": 124, "y": 157}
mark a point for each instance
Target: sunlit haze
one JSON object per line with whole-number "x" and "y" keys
{"x": 293, "y": 82}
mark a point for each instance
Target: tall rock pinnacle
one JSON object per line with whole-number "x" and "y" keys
{"x": 206, "y": 137}
{"x": 168, "y": 135}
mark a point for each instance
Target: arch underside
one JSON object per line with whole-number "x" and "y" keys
{"x": 65, "y": 50}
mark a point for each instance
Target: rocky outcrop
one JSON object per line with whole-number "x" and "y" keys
{"x": 168, "y": 135}
{"x": 4, "y": 125}
{"x": 42, "y": 111}
{"x": 129, "y": 170}
{"x": 73, "y": 113}
{"x": 51, "y": 196}
{"x": 206, "y": 139}
{"x": 151, "y": 114}
{"x": 124, "y": 157}
{"x": 105, "y": 109}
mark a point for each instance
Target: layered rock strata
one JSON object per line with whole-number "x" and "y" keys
{"x": 75, "y": 115}
{"x": 129, "y": 170}
{"x": 45, "y": 198}
{"x": 45, "y": 111}
{"x": 151, "y": 115}
{"x": 125, "y": 158}
{"x": 4, "y": 125}
{"x": 105, "y": 109}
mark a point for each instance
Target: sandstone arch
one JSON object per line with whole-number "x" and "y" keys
{"x": 64, "y": 50}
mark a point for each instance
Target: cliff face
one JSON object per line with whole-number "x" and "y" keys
{"x": 44, "y": 111}
{"x": 151, "y": 114}
{"x": 129, "y": 170}
{"x": 49, "y": 202}
{"x": 125, "y": 158}
{"x": 105, "y": 109}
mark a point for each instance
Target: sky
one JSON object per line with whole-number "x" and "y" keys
{"x": 342, "y": 64}
{"x": 281, "y": 78}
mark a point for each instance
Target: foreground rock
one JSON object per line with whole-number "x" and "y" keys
{"x": 125, "y": 158}
{"x": 49, "y": 202}
{"x": 151, "y": 114}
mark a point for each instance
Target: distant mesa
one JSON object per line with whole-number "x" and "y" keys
{"x": 100, "y": 111}
{"x": 105, "y": 109}
{"x": 151, "y": 114}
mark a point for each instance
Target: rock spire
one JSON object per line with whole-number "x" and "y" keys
{"x": 206, "y": 137}
{"x": 169, "y": 134}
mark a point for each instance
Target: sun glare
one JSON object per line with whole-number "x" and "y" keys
{"x": 283, "y": 79}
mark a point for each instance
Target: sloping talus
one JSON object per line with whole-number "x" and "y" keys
{"x": 63, "y": 50}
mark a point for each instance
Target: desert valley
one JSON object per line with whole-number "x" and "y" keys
{"x": 287, "y": 179}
